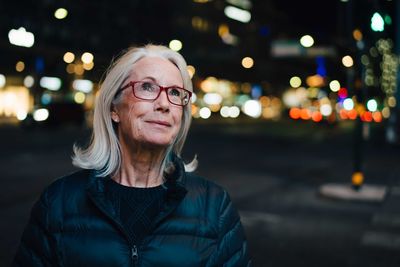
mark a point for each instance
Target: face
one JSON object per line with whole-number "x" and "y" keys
{"x": 149, "y": 122}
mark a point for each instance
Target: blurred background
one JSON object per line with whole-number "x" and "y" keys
{"x": 295, "y": 111}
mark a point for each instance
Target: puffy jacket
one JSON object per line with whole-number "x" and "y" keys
{"x": 74, "y": 224}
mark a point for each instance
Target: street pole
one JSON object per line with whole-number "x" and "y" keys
{"x": 353, "y": 74}
{"x": 393, "y": 127}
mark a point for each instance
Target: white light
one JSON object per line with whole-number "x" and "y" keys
{"x": 245, "y": 4}
{"x": 234, "y": 112}
{"x": 212, "y": 99}
{"x": 194, "y": 97}
{"x": 21, "y": 115}
{"x": 205, "y": 113}
{"x": 2, "y": 80}
{"x": 377, "y": 22}
{"x": 224, "y": 111}
{"x": 348, "y": 104}
{"x": 85, "y": 86}
{"x": 175, "y": 45}
{"x": 306, "y": 41}
{"x": 87, "y": 57}
{"x": 290, "y": 99}
{"x": 252, "y": 108}
{"x": 372, "y": 105}
{"x": 237, "y": 14}
{"x": 29, "y": 81}
{"x": 334, "y": 85}
{"x": 51, "y": 83}
{"x": 21, "y": 37}
{"x": 41, "y": 114}
{"x": 325, "y": 109}
{"x": 60, "y": 13}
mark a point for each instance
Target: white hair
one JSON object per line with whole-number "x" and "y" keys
{"x": 104, "y": 152}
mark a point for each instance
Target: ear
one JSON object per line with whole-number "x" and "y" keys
{"x": 114, "y": 115}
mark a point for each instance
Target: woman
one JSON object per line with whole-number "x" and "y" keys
{"x": 135, "y": 203}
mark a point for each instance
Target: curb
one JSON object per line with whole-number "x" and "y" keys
{"x": 367, "y": 193}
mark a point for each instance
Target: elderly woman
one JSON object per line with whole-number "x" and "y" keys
{"x": 136, "y": 203}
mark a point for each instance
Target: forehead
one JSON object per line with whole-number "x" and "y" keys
{"x": 160, "y": 69}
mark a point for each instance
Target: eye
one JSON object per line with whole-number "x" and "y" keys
{"x": 147, "y": 86}
{"x": 175, "y": 92}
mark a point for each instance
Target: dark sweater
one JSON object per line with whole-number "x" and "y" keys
{"x": 136, "y": 207}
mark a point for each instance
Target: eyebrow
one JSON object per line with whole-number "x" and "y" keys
{"x": 155, "y": 81}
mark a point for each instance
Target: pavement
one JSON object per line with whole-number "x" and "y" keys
{"x": 274, "y": 172}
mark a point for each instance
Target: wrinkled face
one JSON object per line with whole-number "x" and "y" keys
{"x": 149, "y": 122}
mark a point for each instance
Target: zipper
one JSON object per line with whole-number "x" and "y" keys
{"x": 134, "y": 255}
{"x": 134, "y": 250}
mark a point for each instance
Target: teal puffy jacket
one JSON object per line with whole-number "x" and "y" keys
{"x": 74, "y": 224}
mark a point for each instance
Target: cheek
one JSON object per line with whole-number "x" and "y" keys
{"x": 178, "y": 117}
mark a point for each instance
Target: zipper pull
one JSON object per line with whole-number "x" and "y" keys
{"x": 135, "y": 254}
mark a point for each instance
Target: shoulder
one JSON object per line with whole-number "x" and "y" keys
{"x": 202, "y": 188}
{"x": 74, "y": 182}
{"x": 198, "y": 183}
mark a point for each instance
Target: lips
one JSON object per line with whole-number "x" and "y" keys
{"x": 162, "y": 123}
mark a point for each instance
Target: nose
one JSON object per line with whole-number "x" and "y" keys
{"x": 162, "y": 102}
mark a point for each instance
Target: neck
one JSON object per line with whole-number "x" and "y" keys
{"x": 141, "y": 167}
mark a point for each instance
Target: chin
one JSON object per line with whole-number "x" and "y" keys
{"x": 159, "y": 143}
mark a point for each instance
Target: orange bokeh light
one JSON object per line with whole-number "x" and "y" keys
{"x": 317, "y": 116}
{"x": 377, "y": 116}
{"x": 294, "y": 113}
{"x": 305, "y": 114}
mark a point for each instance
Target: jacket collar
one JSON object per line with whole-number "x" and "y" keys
{"x": 174, "y": 184}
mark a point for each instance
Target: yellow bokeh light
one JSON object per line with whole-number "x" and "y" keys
{"x": 175, "y": 45}
{"x": 20, "y": 66}
{"x": 223, "y": 30}
{"x": 78, "y": 69}
{"x": 357, "y": 35}
{"x": 60, "y": 13}
{"x": 69, "y": 57}
{"x": 191, "y": 70}
{"x": 88, "y": 66}
{"x": 392, "y": 101}
{"x": 295, "y": 82}
{"x": 315, "y": 81}
{"x": 209, "y": 84}
{"x": 347, "y": 61}
{"x": 79, "y": 97}
{"x": 247, "y": 62}
{"x": 386, "y": 112}
{"x": 70, "y": 68}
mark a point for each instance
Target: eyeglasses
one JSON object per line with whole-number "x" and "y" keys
{"x": 151, "y": 91}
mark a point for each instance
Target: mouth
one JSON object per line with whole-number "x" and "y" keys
{"x": 161, "y": 123}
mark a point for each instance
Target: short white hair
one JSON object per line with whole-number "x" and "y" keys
{"x": 103, "y": 152}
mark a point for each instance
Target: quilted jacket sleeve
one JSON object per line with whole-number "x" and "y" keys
{"x": 232, "y": 247}
{"x": 35, "y": 249}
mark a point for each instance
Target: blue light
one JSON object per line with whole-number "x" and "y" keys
{"x": 39, "y": 65}
{"x": 45, "y": 99}
{"x": 321, "y": 69}
{"x": 264, "y": 31}
{"x": 256, "y": 92}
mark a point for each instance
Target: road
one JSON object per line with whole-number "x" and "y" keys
{"x": 273, "y": 171}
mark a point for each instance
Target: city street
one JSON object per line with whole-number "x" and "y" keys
{"x": 273, "y": 171}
